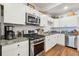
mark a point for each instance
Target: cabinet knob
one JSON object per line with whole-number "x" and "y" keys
{"x": 18, "y": 54}
{"x": 18, "y": 45}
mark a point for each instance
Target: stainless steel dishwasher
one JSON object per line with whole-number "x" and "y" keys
{"x": 71, "y": 41}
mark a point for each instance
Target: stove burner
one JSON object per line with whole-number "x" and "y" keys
{"x": 33, "y": 36}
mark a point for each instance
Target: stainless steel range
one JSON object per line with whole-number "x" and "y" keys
{"x": 36, "y": 43}
{"x": 36, "y": 47}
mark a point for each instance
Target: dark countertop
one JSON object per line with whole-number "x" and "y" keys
{"x": 4, "y": 42}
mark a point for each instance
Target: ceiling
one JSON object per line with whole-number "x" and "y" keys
{"x": 56, "y": 9}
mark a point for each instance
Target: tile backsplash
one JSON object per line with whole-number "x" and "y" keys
{"x": 25, "y": 28}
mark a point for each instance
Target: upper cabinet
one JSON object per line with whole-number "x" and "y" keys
{"x": 66, "y": 22}
{"x": 43, "y": 21}
{"x": 29, "y": 10}
{"x": 32, "y": 11}
{"x": 56, "y": 23}
{"x": 46, "y": 21}
{"x": 50, "y": 21}
{"x": 69, "y": 21}
{"x": 14, "y": 13}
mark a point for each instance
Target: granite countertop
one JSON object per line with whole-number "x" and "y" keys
{"x": 50, "y": 33}
{"x": 4, "y": 42}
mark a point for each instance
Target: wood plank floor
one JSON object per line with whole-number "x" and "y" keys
{"x": 59, "y": 50}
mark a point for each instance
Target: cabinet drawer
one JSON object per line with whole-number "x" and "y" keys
{"x": 23, "y": 53}
{"x": 21, "y": 44}
{"x": 9, "y": 47}
{"x": 16, "y": 49}
{"x": 23, "y": 48}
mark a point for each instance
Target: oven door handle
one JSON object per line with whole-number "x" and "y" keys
{"x": 38, "y": 42}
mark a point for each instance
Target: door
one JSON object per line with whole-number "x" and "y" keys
{"x": 23, "y": 48}
{"x": 47, "y": 43}
{"x": 14, "y": 13}
{"x": 9, "y": 50}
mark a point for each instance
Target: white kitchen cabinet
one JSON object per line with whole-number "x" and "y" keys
{"x": 71, "y": 21}
{"x": 36, "y": 12}
{"x": 9, "y": 50}
{"x": 53, "y": 40}
{"x": 23, "y": 48}
{"x": 16, "y": 49}
{"x": 14, "y": 13}
{"x": 29, "y": 10}
{"x": 60, "y": 39}
{"x": 46, "y": 22}
{"x": 50, "y": 21}
{"x": 43, "y": 20}
{"x": 56, "y": 22}
{"x": 49, "y": 42}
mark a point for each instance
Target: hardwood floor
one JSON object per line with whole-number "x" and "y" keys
{"x": 59, "y": 50}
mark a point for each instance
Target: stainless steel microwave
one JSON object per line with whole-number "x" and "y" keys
{"x": 32, "y": 19}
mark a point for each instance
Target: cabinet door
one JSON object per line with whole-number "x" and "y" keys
{"x": 23, "y": 48}
{"x": 43, "y": 21}
{"x": 56, "y": 22}
{"x": 69, "y": 21}
{"x": 9, "y": 50}
{"x": 60, "y": 39}
{"x": 47, "y": 43}
{"x": 54, "y": 37}
{"x": 49, "y": 21}
{"x": 17, "y": 49}
{"x": 29, "y": 10}
{"x": 14, "y": 13}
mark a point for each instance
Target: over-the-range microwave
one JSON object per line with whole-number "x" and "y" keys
{"x": 32, "y": 19}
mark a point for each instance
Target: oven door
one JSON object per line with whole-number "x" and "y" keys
{"x": 38, "y": 48}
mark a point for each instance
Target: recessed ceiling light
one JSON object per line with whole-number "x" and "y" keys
{"x": 65, "y": 7}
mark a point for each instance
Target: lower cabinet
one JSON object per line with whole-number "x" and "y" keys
{"x": 60, "y": 39}
{"x": 16, "y": 49}
{"x": 52, "y": 40}
{"x": 49, "y": 42}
